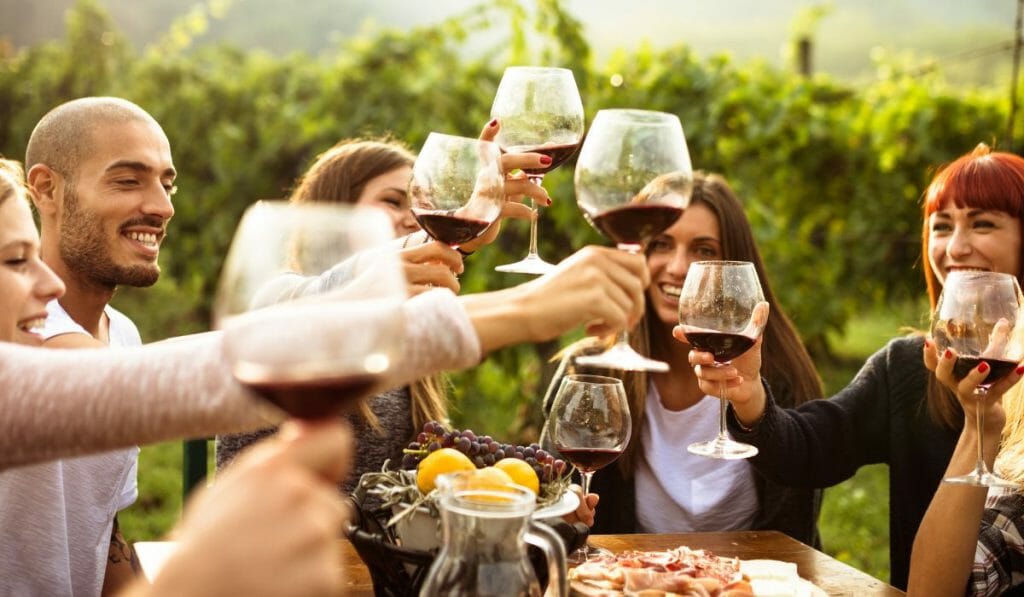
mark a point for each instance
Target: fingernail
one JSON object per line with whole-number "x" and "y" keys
{"x": 927, "y": 343}
{"x": 1020, "y": 370}
{"x": 948, "y": 354}
{"x": 549, "y": 200}
{"x": 493, "y": 123}
{"x": 545, "y": 160}
{"x": 983, "y": 367}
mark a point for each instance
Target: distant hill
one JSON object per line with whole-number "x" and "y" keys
{"x": 946, "y": 29}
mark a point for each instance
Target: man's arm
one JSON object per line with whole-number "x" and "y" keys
{"x": 122, "y": 563}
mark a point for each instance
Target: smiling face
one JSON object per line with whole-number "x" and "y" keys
{"x": 115, "y": 209}
{"x": 968, "y": 238}
{"x": 388, "y": 192}
{"x": 696, "y": 236}
{"x": 26, "y": 283}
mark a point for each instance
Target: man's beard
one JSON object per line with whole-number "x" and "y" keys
{"x": 84, "y": 249}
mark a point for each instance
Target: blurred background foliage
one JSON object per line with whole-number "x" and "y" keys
{"x": 831, "y": 172}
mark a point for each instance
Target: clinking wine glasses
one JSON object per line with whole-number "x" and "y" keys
{"x": 540, "y": 111}
{"x": 633, "y": 179}
{"x": 277, "y": 253}
{"x": 457, "y": 187}
{"x": 978, "y": 317}
{"x": 722, "y": 311}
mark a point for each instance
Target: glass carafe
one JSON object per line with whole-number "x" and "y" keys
{"x": 486, "y": 528}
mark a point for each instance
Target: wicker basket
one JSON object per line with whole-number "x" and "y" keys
{"x": 397, "y": 571}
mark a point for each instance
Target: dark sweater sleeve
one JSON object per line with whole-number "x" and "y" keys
{"x": 823, "y": 442}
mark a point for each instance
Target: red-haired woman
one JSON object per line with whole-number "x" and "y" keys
{"x": 894, "y": 411}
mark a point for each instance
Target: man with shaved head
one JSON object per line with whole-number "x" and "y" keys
{"x": 101, "y": 176}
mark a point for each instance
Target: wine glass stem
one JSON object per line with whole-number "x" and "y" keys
{"x": 537, "y": 180}
{"x": 725, "y": 405}
{"x": 980, "y": 394}
{"x": 585, "y": 477}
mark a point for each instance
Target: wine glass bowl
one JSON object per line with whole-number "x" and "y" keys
{"x": 633, "y": 179}
{"x": 457, "y": 187}
{"x": 590, "y": 426}
{"x": 277, "y": 250}
{"x": 978, "y": 318}
{"x": 722, "y": 311}
{"x": 540, "y": 111}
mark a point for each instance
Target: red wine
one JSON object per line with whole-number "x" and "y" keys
{"x": 557, "y": 153}
{"x": 725, "y": 347}
{"x": 449, "y": 229}
{"x": 313, "y": 399}
{"x": 589, "y": 460}
{"x": 998, "y": 368}
{"x": 636, "y": 224}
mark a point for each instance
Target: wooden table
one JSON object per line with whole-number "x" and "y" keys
{"x": 833, "y": 576}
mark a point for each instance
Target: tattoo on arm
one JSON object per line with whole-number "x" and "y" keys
{"x": 121, "y": 551}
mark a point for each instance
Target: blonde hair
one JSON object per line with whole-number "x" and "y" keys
{"x": 12, "y": 180}
{"x": 1010, "y": 460}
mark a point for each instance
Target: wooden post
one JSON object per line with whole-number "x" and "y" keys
{"x": 804, "y": 55}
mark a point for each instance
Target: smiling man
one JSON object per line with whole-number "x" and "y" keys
{"x": 101, "y": 177}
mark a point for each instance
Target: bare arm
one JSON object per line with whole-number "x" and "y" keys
{"x": 122, "y": 563}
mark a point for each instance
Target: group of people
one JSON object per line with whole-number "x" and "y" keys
{"x": 101, "y": 176}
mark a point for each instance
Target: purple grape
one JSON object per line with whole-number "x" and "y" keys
{"x": 529, "y": 452}
{"x": 433, "y": 447}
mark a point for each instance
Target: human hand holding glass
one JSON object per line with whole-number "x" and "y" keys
{"x": 540, "y": 111}
{"x": 633, "y": 180}
{"x": 978, "y": 319}
{"x": 590, "y": 427}
{"x": 722, "y": 311}
{"x": 277, "y": 253}
{"x": 457, "y": 187}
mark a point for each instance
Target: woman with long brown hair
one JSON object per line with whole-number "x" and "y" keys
{"x": 657, "y": 486}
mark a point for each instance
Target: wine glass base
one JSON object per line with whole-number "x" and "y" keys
{"x": 621, "y": 356}
{"x": 584, "y": 553}
{"x": 724, "y": 449}
{"x": 980, "y": 479}
{"x": 531, "y": 264}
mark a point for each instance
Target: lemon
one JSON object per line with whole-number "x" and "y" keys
{"x": 440, "y": 462}
{"x": 520, "y": 472}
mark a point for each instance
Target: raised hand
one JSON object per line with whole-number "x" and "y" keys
{"x": 431, "y": 265}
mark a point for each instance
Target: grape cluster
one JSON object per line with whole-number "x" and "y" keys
{"x": 483, "y": 450}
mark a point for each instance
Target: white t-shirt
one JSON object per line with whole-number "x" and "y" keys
{"x": 679, "y": 492}
{"x": 56, "y": 517}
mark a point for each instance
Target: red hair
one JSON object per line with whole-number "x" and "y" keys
{"x": 982, "y": 179}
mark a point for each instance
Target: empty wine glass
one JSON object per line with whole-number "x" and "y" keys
{"x": 540, "y": 112}
{"x": 590, "y": 427}
{"x": 978, "y": 317}
{"x": 723, "y": 311}
{"x": 457, "y": 187}
{"x": 278, "y": 253}
{"x": 633, "y": 180}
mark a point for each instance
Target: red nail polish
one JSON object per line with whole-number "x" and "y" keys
{"x": 545, "y": 160}
{"x": 948, "y": 354}
{"x": 1020, "y": 370}
{"x": 983, "y": 367}
{"x": 549, "y": 200}
{"x": 927, "y": 343}
{"x": 493, "y": 123}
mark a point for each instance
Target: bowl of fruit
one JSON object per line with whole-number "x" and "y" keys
{"x": 397, "y": 526}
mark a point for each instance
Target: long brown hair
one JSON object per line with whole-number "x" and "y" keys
{"x": 786, "y": 364}
{"x": 339, "y": 175}
{"x": 982, "y": 179}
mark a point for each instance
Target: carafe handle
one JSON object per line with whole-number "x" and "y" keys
{"x": 547, "y": 540}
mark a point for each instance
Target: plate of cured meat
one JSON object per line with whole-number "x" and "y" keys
{"x": 687, "y": 572}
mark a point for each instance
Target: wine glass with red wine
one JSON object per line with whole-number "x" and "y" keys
{"x": 540, "y": 112}
{"x": 589, "y": 425}
{"x": 978, "y": 317}
{"x": 277, "y": 253}
{"x": 633, "y": 179}
{"x": 457, "y": 187}
{"x": 722, "y": 310}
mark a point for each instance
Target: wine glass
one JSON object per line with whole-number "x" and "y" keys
{"x": 633, "y": 179}
{"x": 590, "y": 426}
{"x": 978, "y": 317}
{"x": 540, "y": 112}
{"x": 722, "y": 310}
{"x": 277, "y": 249}
{"x": 457, "y": 187}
